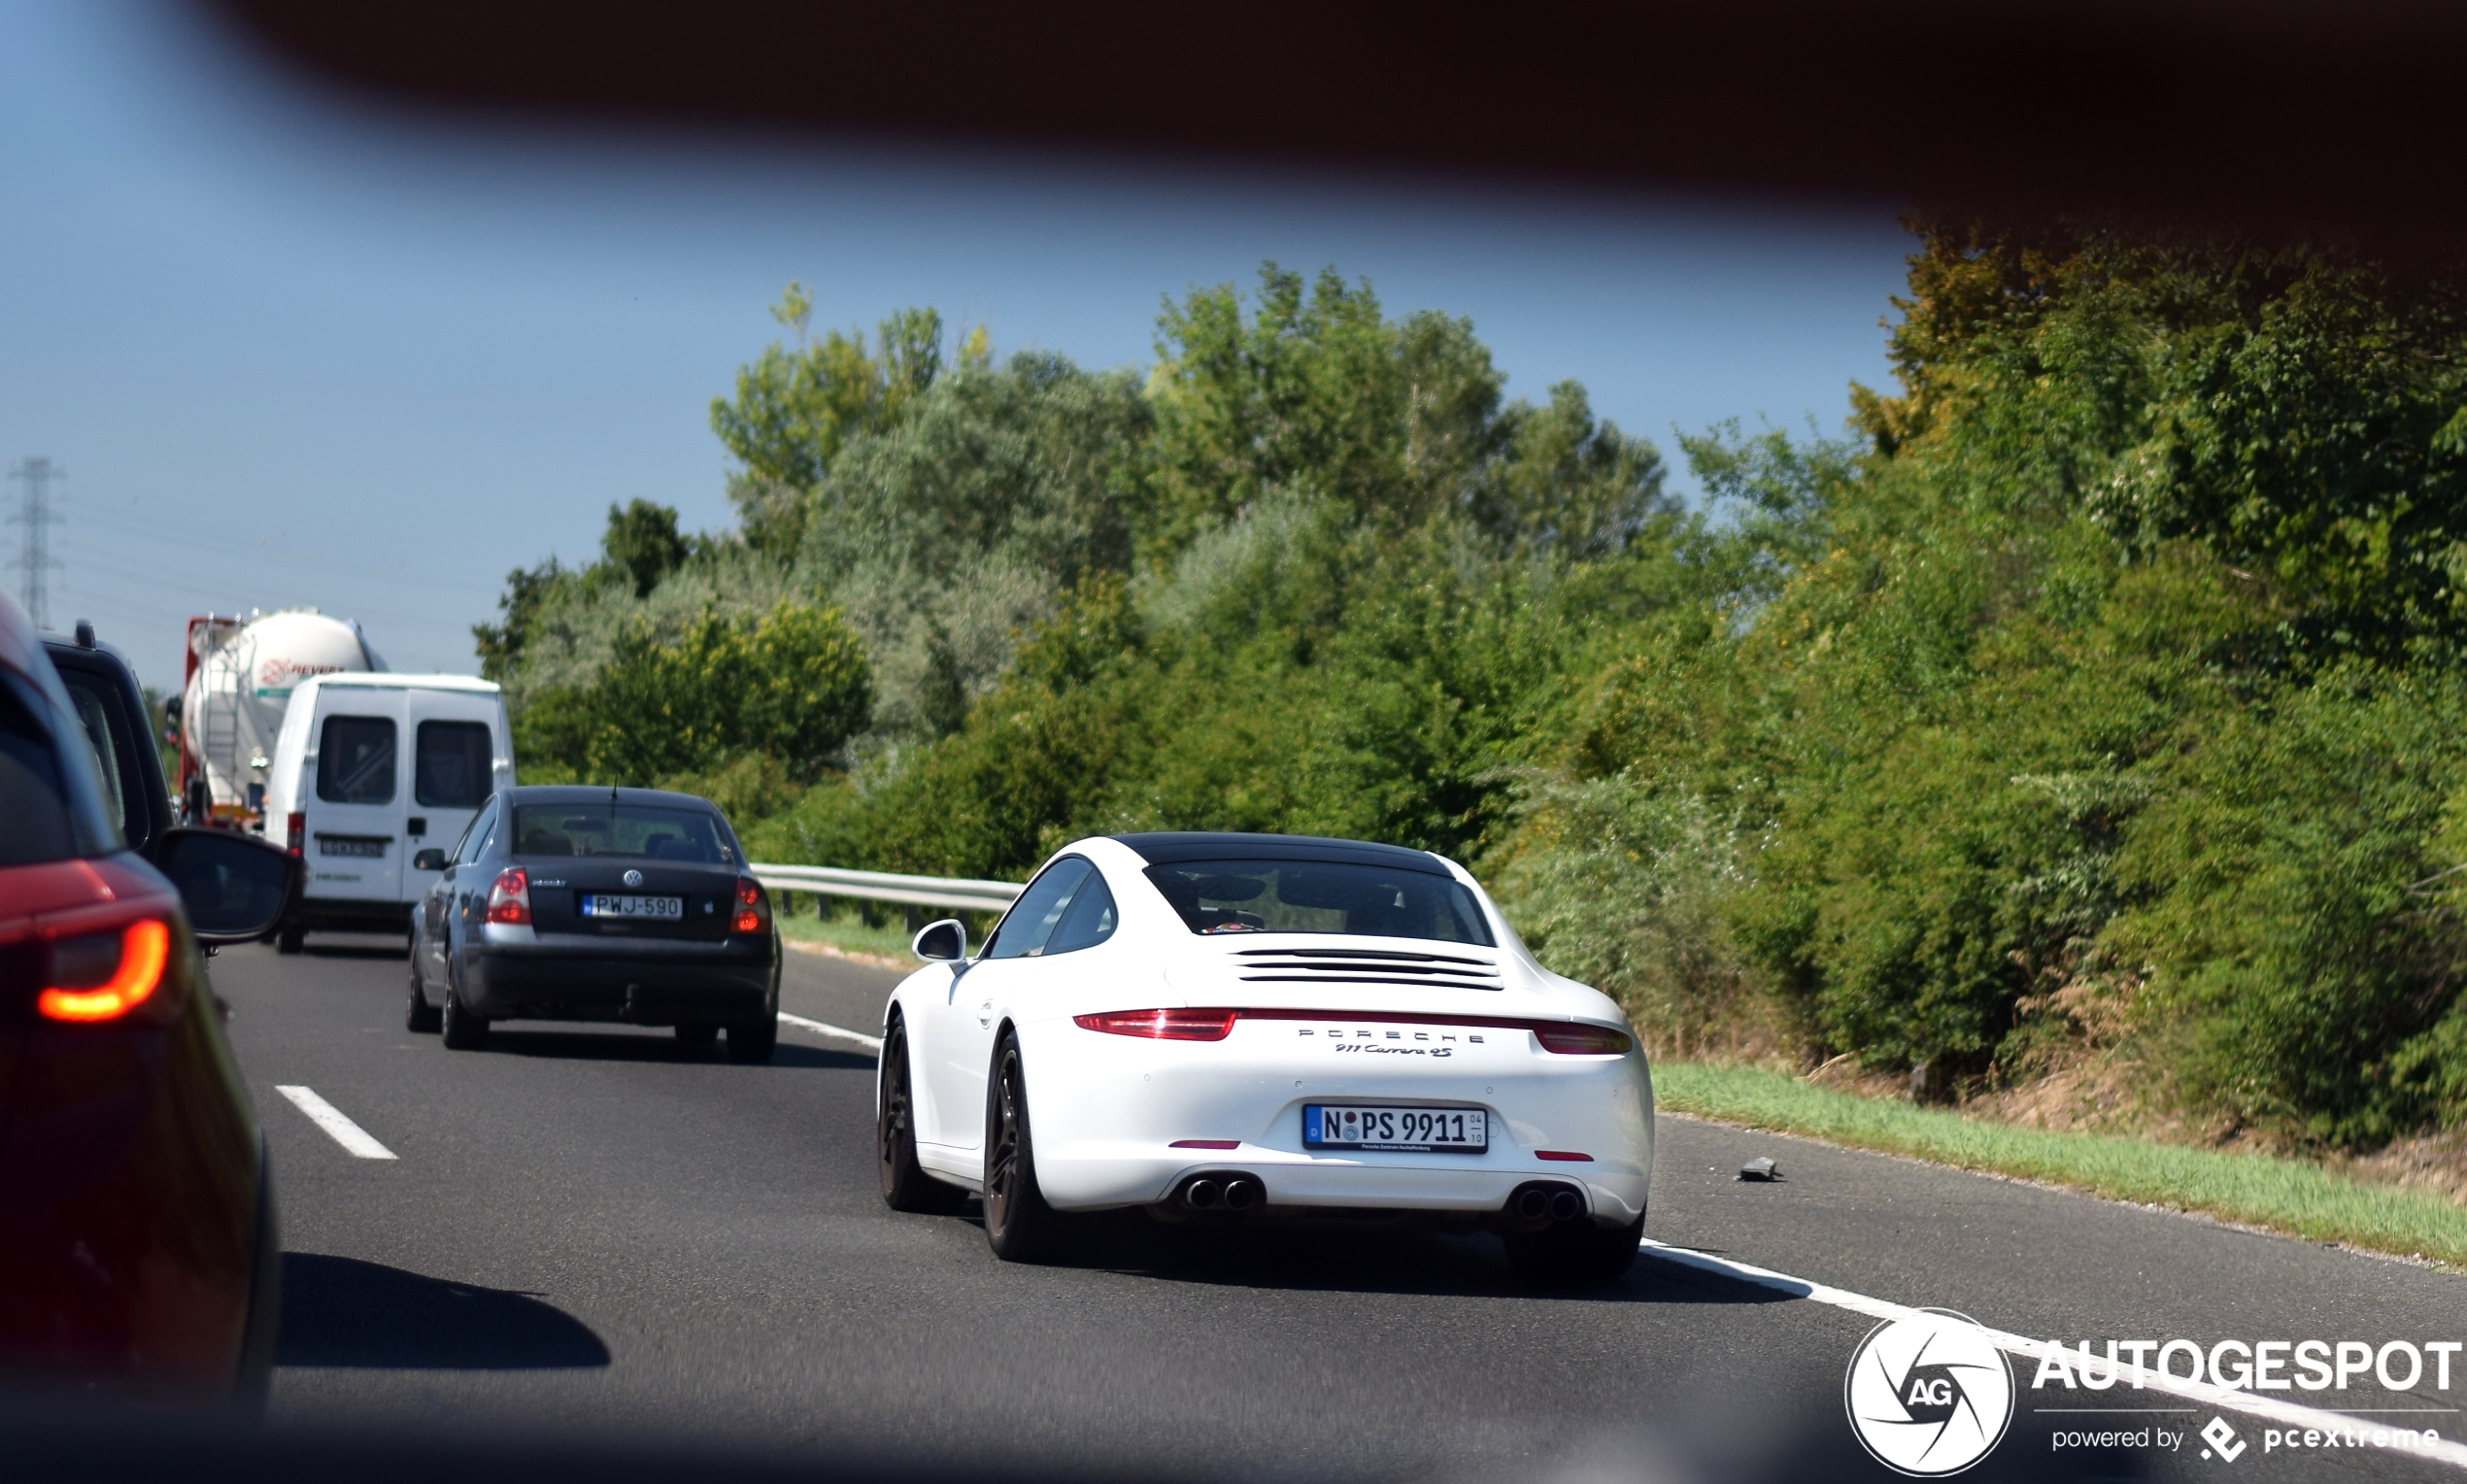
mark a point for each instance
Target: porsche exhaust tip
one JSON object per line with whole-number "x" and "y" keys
{"x": 1240, "y": 1195}
{"x": 1534, "y": 1206}
{"x": 1229, "y": 1192}
{"x": 1564, "y": 1207}
{"x": 1202, "y": 1195}
{"x": 1533, "y": 1203}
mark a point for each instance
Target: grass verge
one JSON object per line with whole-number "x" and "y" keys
{"x": 2286, "y": 1196}
{"x": 846, "y": 931}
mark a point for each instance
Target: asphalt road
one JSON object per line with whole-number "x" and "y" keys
{"x": 594, "y": 1233}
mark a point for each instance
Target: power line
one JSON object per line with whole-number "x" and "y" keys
{"x": 34, "y": 512}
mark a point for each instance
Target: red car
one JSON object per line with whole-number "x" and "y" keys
{"x": 138, "y": 1251}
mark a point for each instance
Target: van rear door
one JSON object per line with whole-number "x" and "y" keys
{"x": 356, "y": 805}
{"x": 455, "y": 741}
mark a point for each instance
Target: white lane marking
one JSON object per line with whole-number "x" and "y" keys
{"x": 2267, "y": 1409}
{"x": 327, "y": 1116}
{"x": 869, "y": 1042}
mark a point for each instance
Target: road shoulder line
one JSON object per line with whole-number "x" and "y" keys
{"x": 819, "y": 1027}
{"x": 2246, "y": 1403}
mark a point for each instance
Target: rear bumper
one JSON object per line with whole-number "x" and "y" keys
{"x": 1108, "y": 1110}
{"x": 646, "y": 982}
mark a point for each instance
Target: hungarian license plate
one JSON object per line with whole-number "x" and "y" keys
{"x": 1444, "y": 1131}
{"x": 372, "y": 847}
{"x": 601, "y": 904}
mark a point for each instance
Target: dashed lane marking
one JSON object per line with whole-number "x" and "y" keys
{"x": 327, "y": 1116}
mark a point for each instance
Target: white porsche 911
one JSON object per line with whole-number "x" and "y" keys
{"x": 1238, "y": 1027}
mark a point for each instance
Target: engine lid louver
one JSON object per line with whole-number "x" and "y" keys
{"x": 1365, "y": 965}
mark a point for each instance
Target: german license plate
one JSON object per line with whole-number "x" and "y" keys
{"x": 599, "y": 904}
{"x": 1444, "y": 1131}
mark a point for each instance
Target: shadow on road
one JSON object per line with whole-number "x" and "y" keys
{"x": 344, "y": 1312}
{"x": 635, "y": 1046}
{"x": 1367, "y": 1259}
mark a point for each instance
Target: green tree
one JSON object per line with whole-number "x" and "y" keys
{"x": 642, "y": 543}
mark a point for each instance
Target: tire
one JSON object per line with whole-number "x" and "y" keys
{"x": 752, "y": 1042}
{"x": 1019, "y": 1226}
{"x": 420, "y": 1015}
{"x": 905, "y": 1186}
{"x": 1573, "y": 1253}
{"x": 288, "y": 938}
{"x": 464, "y": 1031}
{"x": 690, "y": 1034}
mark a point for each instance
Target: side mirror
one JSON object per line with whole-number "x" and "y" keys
{"x": 940, "y": 942}
{"x": 429, "y": 860}
{"x": 234, "y": 885}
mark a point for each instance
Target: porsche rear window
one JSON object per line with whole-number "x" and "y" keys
{"x": 647, "y": 830}
{"x": 1222, "y": 896}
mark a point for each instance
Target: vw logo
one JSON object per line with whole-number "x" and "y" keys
{"x": 633, "y": 878}
{"x": 1929, "y": 1394}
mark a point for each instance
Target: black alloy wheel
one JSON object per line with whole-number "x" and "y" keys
{"x": 421, "y": 1016}
{"x": 905, "y": 1186}
{"x": 1573, "y": 1253}
{"x": 694, "y": 1033}
{"x": 464, "y": 1031}
{"x": 1019, "y": 1225}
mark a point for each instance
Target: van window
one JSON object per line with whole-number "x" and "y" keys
{"x": 450, "y": 765}
{"x": 356, "y": 761}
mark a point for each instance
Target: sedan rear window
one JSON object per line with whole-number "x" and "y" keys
{"x": 647, "y": 830}
{"x": 1218, "y": 897}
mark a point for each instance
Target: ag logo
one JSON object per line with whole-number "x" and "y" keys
{"x": 1927, "y": 1393}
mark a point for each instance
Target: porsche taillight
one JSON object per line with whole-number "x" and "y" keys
{"x": 102, "y": 976}
{"x": 1162, "y": 1024}
{"x": 510, "y": 897}
{"x": 752, "y": 907}
{"x": 1577, "y": 1038}
{"x": 1566, "y": 1038}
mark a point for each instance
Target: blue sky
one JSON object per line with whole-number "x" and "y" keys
{"x": 292, "y": 350}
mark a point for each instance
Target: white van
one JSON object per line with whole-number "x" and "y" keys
{"x": 371, "y": 768}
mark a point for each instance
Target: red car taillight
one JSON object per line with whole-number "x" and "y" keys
{"x": 1162, "y": 1024}
{"x": 88, "y": 989}
{"x": 1565, "y": 1038}
{"x": 510, "y": 897}
{"x": 752, "y": 907}
{"x": 1575, "y": 1038}
{"x": 295, "y": 829}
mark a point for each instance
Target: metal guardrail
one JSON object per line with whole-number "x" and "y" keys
{"x": 883, "y": 886}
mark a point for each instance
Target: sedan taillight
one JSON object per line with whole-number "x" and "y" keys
{"x": 752, "y": 907}
{"x": 102, "y": 976}
{"x": 1162, "y": 1024}
{"x": 510, "y": 897}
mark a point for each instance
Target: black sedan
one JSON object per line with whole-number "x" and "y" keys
{"x": 596, "y": 905}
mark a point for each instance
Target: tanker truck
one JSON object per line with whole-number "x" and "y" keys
{"x": 238, "y": 681}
